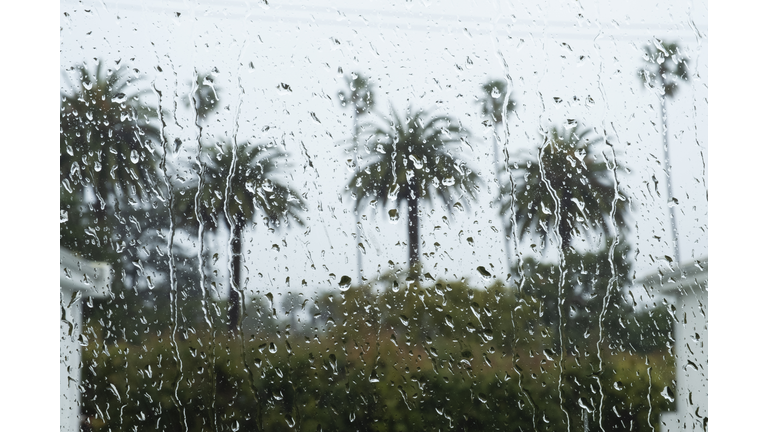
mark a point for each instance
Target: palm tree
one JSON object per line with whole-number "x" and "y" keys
{"x": 566, "y": 189}
{"x": 493, "y": 105}
{"x": 107, "y": 139}
{"x": 663, "y": 72}
{"x": 360, "y": 99}
{"x": 412, "y": 159}
{"x": 239, "y": 184}
{"x": 202, "y": 96}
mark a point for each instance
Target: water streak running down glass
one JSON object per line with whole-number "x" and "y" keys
{"x": 363, "y": 216}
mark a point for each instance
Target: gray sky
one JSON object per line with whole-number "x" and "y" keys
{"x": 433, "y": 55}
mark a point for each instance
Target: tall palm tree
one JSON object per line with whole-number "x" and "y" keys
{"x": 360, "y": 100}
{"x": 202, "y": 96}
{"x": 107, "y": 138}
{"x": 411, "y": 158}
{"x": 239, "y": 184}
{"x": 665, "y": 68}
{"x": 493, "y": 105}
{"x": 583, "y": 187}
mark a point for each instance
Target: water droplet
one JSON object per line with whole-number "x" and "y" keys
{"x": 345, "y": 283}
{"x": 667, "y": 394}
{"x": 373, "y": 378}
{"x": 134, "y": 156}
{"x": 417, "y": 163}
{"x": 289, "y": 419}
{"x": 483, "y": 272}
{"x": 272, "y": 347}
{"x": 583, "y": 404}
{"x": 549, "y": 354}
{"x": 394, "y": 216}
{"x": 618, "y": 385}
{"x": 314, "y": 117}
{"x": 449, "y": 321}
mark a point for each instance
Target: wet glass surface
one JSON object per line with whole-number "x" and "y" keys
{"x": 405, "y": 216}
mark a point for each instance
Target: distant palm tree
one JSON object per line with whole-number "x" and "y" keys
{"x": 237, "y": 191}
{"x": 412, "y": 159}
{"x": 493, "y": 106}
{"x": 202, "y": 95}
{"x": 663, "y": 72}
{"x": 107, "y": 137}
{"x": 583, "y": 187}
{"x": 360, "y": 99}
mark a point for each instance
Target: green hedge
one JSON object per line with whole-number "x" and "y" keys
{"x": 442, "y": 356}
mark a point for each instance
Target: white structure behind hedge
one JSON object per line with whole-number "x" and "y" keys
{"x": 79, "y": 279}
{"x": 687, "y": 290}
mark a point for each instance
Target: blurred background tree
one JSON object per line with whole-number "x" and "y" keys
{"x": 567, "y": 190}
{"x": 495, "y": 104}
{"x": 108, "y": 140}
{"x": 360, "y": 100}
{"x": 664, "y": 70}
{"x": 410, "y": 159}
{"x": 240, "y": 183}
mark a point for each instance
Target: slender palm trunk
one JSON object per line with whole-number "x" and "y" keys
{"x": 563, "y": 228}
{"x": 505, "y": 225}
{"x": 413, "y": 229}
{"x": 357, "y": 213}
{"x": 668, "y": 171}
{"x": 233, "y": 314}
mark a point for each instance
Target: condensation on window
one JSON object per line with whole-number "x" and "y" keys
{"x": 412, "y": 215}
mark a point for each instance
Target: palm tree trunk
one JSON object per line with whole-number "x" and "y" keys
{"x": 413, "y": 230}
{"x": 562, "y": 228}
{"x": 668, "y": 171}
{"x": 233, "y": 313}
{"x": 504, "y": 224}
{"x": 357, "y": 213}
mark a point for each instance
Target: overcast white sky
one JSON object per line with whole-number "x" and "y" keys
{"x": 432, "y": 55}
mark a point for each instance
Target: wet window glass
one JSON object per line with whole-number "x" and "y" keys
{"x": 413, "y": 215}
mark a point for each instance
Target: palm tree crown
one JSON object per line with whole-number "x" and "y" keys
{"x": 360, "y": 95}
{"x": 253, "y": 188}
{"x": 492, "y": 103}
{"x": 411, "y": 159}
{"x": 583, "y": 188}
{"x": 665, "y": 66}
{"x": 107, "y": 134}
